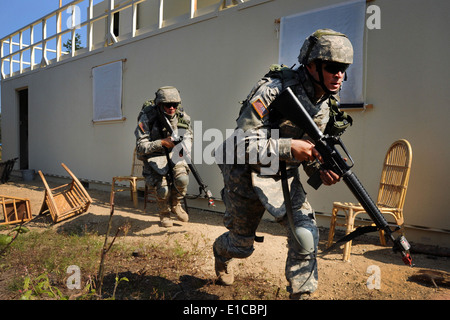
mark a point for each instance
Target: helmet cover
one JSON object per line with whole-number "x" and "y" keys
{"x": 167, "y": 94}
{"x": 326, "y": 45}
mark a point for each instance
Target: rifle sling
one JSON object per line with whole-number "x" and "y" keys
{"x": 287, "y": 202}
{"x": 356, "y": 233}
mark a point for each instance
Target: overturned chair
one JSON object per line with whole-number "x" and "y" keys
{"x": 15, "y": 210}
{"x": 66, "y": 200}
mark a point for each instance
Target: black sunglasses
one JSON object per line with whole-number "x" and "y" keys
{"x": 169, "y": 105}
{"x": 335, "y": 68}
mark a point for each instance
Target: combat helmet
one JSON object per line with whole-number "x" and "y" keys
{"x": 167, "y": 94}
{"x": 326, "y": 45}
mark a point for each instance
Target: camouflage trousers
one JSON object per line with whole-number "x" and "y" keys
{"x": 169, "y": 193}
{"x": 242, "y": 216}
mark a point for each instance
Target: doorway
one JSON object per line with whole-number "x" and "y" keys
{"x": 23, "y": 129}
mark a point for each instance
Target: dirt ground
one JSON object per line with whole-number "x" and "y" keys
{"x": 338, "y": 280}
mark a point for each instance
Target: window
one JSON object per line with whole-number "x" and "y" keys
{"x": 348, "y": 18}
{"x": 116, "y": 23}
{"x": 107, "y": 92}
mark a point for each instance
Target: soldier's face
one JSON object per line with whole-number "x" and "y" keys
{"x": 333, "y": 75}
{"x": 170, "y": 109}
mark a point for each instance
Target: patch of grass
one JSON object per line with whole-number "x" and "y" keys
{"x": 53, "y": 252}
{"x": 36, "y": 265}
{"x": 45, "y": 256}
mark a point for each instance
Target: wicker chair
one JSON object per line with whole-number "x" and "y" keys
{"x": 391, "y": 194}
{"x": 66, "y": 200}
{"x": 15, "y": 210}
{"x": 133, "y": 179}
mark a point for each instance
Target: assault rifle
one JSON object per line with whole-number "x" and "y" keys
{"x": 330, "y": 148}
{"x": 177, "y": 140}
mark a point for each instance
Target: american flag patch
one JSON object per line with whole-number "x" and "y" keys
{"x": 141, "y": 126}
{"x": 260, "y": 107}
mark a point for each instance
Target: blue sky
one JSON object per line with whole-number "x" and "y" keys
{"x": 15, "y": 14}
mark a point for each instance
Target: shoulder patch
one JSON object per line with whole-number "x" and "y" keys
{"x": 141, "y": 126}
{"x": 260, "y": 107}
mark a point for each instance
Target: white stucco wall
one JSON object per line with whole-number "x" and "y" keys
{"x": 214, "y": 63}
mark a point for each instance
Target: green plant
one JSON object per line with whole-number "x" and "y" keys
{"x": 40, "y": 288}
{"x": 178, "y": 250}
{"x": 7, "y": 239}
{"x": 117, "y": 284}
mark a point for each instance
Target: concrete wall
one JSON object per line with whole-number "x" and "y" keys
{"x": 215, "y": 62}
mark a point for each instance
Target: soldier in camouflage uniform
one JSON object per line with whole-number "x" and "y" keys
{"x": 248, "y": 192}
{"x": 152, "y": 142}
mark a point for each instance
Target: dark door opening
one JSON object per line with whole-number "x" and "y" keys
{"x": 23, "y": 129}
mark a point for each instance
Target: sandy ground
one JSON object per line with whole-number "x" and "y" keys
{"x": 427, "y": 280}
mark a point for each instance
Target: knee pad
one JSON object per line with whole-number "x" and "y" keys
{"x": 162, "y": 192}
{"x": 182, "y": 181}
{"x": 306, "y": 240}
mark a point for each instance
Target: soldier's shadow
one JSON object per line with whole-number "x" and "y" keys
{"x": 140, "y": 286}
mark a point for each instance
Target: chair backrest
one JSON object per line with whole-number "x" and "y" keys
{"x": 395, "y": 175}
{"x": 137, "y": 167}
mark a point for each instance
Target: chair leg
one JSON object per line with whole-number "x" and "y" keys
{"x": 332, "y": 226}
{"x": 382, "y": 238}
{"x": 133, "y": 188}
{"x": 348, "y": 245}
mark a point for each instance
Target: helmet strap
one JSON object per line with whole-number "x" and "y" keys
{"x": 320, "y": 82}
{"x": 162, "y": 111}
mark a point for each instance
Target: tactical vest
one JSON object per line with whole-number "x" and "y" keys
{"x": 150, "y": 109}
{"x": 338, "y": 121}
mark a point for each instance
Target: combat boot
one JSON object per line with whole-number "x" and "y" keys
{"x": 164, "y": 213}
{"x": 178, "y": 210}
{"x": 224, "y": 271}
{"x": 300, "y": 296}
{"x": 166, "y": 222}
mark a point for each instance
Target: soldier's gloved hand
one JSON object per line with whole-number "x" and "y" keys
{"x": 328, "y": 177}
{"x": 167, "y": 142}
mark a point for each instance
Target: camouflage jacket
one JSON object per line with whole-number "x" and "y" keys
{"x": 149, "y": 133}
{"x": 256, "y": 121}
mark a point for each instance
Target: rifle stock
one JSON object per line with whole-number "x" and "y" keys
{"x": 290, "y": 107}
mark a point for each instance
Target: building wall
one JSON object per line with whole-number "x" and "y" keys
{"x": 214, "y": 63}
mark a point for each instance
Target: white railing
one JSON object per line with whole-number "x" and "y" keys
{"x": 41, "y": 42}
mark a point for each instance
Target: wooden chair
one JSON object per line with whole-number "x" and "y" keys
{"x": 391, "y": 194}
{"x": 15, "y": 210}
{"x": 66, "y": 200}
{"x": 133, "y": 179}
